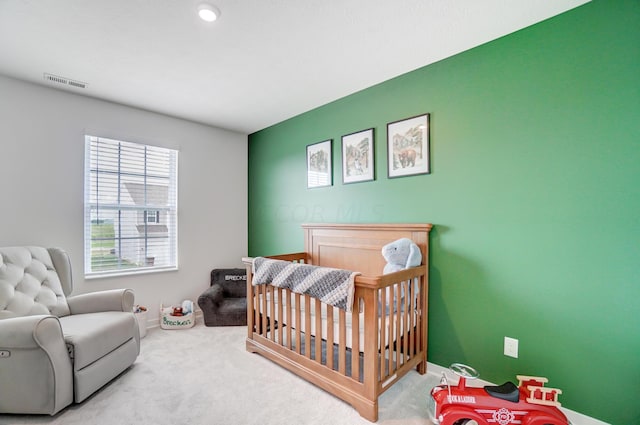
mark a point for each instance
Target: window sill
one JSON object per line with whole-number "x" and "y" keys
{"x": 121, "y": 273}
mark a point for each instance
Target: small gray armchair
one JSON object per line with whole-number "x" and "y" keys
{"x": 56, "y": 349}
{"x": 225, "y": 302}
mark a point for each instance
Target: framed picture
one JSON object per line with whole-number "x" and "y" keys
{"x": 357, "y": 157}
{"x": 319, "y": 169}
{"x": 408, "y": 146}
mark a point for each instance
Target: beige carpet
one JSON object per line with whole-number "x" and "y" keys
{"x": 204, "y": 376}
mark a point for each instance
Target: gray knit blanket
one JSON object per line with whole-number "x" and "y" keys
{"x": 331, "y": 286}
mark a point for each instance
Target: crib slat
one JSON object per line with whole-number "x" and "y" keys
{"x": 298, "y": 324}
{"x": 264, "y": 317}
{"x": 250, "y": 304}
{"x": 383, "y": 329}
{"x": 398, "y": 317}
{"x": 272, "y": 315}
{"x": 342, "y": 345}
{"x": 254, "y": 313}
{"x": 405, "y": 317}
{"x": 392, "y": 316}
{"x": 287, "y": 318}
{"x": 307, "y": 326}
{"x": 424, "y": 322}
{"x": 330, "y": 337}
{"x": 412, "y": 328}
{"x": 371, "y": 378}
{"x": 417, "y": 332}
{"x": 355, "y": 342}
{"x": 318, "y": 333}
{"x": 260, "y": 300}
{"x": 280, "y": 322}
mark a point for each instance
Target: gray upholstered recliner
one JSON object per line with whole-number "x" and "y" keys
{"x": 54, "y": 349}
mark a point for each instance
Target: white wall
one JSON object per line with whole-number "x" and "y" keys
{"x": 41, "y": 185}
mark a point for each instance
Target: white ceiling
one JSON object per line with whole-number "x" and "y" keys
{"x": 262, "y": 62}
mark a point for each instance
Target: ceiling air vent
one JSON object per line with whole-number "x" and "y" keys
{"x": 66, "y": 81}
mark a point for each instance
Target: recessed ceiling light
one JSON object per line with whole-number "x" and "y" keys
{"x": 208, "y": 12}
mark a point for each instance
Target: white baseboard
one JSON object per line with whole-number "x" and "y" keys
{"x": 574, "y": 417}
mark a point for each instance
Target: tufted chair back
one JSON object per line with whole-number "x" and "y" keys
{"x": 34, "y": 280}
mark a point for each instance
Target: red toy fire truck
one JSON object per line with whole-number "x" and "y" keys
{"x": 529, "y": 403}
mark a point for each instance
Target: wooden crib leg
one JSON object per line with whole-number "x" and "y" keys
{"x": 250, "y": 345}
{"x": 368, "y": 409}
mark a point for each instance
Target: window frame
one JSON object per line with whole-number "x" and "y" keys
{"x": 95, "y": 174}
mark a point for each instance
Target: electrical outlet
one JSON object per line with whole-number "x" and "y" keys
{"x": 510, "y": 347}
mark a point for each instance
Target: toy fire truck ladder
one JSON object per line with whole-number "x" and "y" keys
{"x": 537, "y": 392}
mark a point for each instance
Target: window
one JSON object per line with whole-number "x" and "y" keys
{"x": 130, "y": 207}
{"x": 151, "y": 217}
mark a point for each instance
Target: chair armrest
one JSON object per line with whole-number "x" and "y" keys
{"x": 212, "y": 297}
{"x": 209, "y": 301}
{"x": 94, "y": 302}
{"x": 36, "y": 371}
{"x": 29, "y": 331}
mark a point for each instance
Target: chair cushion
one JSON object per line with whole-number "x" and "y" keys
{"x": 233, "y": 305}
{"x": 29, "y": 284}
{"x": 94, "y": 335}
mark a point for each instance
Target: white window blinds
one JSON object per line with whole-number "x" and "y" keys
{"x": 130, "y": 207}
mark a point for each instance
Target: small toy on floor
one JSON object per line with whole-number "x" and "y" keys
{"x": 187, "y": 307}
{"x": 184, "y": 309}
{"x": 530, "y": 402}
{"x": 139, "y": 308}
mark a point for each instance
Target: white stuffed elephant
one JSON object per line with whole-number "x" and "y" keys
{"x": 401, "y": 254}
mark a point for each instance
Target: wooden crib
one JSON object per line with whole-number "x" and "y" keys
{"x": 355, "y": 356}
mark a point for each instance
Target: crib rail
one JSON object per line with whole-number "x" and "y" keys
{"x": 361, "y": 352}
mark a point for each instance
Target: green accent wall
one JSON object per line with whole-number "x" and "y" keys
{"x": 534, "y": 194}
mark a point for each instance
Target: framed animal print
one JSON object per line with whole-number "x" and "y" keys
{"x": 357, "y": 157}
{"x": 408, "y": 146}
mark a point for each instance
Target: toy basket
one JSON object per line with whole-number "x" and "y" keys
{"x": 140, "y": 313}
{"x": 169, "y": 321}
